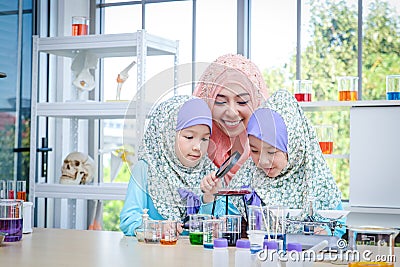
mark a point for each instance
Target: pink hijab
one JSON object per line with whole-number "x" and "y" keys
{"x": 230, "y": 69}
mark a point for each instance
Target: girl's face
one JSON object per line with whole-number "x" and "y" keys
{"x": 268, "y": 158}
{"x": 191, "y": 144}
{"x": 232, "y": 109}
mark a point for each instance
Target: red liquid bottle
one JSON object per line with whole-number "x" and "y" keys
{"x": 10, "y": 194}
{"x": 301, "y": 97}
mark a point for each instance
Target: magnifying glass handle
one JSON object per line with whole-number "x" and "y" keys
{"x": 213, "y": 206}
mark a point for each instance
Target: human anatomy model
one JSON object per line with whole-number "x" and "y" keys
{"x": 122, "y": 77}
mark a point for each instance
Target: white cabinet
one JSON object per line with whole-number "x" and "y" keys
{"x": 71, "y": 121}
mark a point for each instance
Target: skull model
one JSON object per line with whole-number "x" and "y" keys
{"x": 78, "y": 168}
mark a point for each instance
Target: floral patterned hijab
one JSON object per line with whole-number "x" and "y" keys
{"x": 166, "y": 174}
{"x": 306, "y": 174}
{"x": 224, "y": 71}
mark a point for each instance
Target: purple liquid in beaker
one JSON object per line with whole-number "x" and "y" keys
{"x": 13, "y": 227}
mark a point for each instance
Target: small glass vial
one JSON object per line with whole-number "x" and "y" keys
{"x": 220, "y": 253}
{"x": 242, "y": 253}
{"x": 293, "y": 254}
{"x": 139, "y": 232}
{"x": 271, "y": 255}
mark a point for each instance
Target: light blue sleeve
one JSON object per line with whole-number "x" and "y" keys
{"x": 136, "y": 200}
{"x": 220, "y": 207}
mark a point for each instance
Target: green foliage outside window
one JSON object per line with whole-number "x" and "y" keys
{"x": 112, "y": 208}
{"x": 7, "y": 140}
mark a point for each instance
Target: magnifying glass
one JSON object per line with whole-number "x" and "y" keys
{"x": 228, "y": 164}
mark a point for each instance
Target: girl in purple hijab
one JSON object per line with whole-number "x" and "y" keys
{"x": 172, "y": 160}
{"x": 287, "y": 167}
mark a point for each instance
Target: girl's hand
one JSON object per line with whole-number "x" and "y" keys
{"x": 180, "y": 228}
{"x": 210, "y": 185}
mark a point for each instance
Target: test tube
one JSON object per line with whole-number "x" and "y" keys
{"x": 3, "y": 189}
{"x": 11, "y": 189}
{"x": 21, "y": 190}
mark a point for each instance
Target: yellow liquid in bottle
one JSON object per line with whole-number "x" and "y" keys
{"x": 371, "y": 264}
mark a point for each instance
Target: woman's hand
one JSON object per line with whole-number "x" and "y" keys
{"x": 210, "y": 185}
{"x": 320, "y": 231}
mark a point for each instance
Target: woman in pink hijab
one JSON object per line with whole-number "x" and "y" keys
{"x": 233, "y": 87}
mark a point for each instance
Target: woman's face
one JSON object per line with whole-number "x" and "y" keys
{"x": 268, "y": 158}
{"x": 191, "y": 144}
{"x": 232, "y": 109}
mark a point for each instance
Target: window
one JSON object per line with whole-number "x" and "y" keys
{"x": 15, "y": 58}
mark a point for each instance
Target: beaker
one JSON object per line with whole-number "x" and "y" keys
{"x": 80, "y": 25}
{"x": 372, "y": 246}
{"x": 348, "y": 88}
{"x": 255, "y": 219}
{"x": 169, "y": 232}
{"x": 211, "y": 231}
{"x": 196, "y": 228}
{"x": 152, "y": 231}
{"x": 11, "y": 219}
{"x": 393, "y": 87}
{"x": 325, "y": 138}
{"x": 303, "y": 90}
{"x": 231, "y": 228}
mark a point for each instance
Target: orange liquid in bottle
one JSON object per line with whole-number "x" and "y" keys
{"x": 168, "y": 242}
{"x": 79, "y": 29}
{"x": 347, "y": 95}
{"x": 326, "y": 147}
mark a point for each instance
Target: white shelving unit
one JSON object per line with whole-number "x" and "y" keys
{"x": 346, "y": 105}
{"x": 361, "y": 185}
{"x": 343, "y": 106}
{"x": 51, "y": 109}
